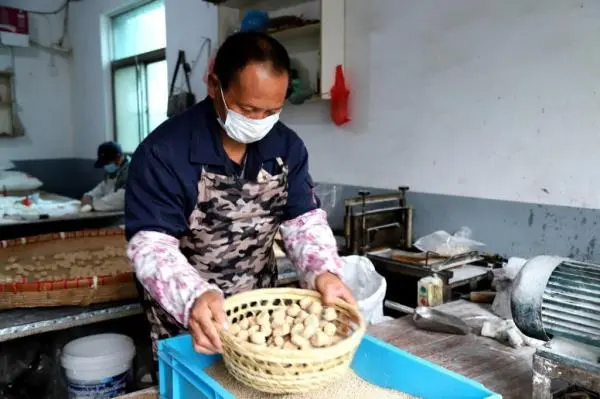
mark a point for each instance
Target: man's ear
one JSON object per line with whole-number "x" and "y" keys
{"x": 292, "y": 74}
{"x": 212, "y": 86}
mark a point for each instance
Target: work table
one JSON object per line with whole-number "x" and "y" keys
{"x": 60, "y": 216}
{"x": 502, "y": 369}
{"x": 19, "y": 323}
{"x": 30, "y": 225}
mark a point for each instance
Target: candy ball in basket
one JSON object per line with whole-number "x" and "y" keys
{"x": 283, "y": 340}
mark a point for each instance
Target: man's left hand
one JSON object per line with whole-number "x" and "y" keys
{"x": 331, "y": 287}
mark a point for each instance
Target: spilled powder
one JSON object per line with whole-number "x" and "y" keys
{"x": 350, "y": 386}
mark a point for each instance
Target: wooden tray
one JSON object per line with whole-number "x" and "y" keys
{"x": 80, "y": 282}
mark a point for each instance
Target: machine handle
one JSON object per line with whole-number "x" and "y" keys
{"x": 403, "y": 190}
{"x": 398, "y": 307}
{"x": 363, "y": 220}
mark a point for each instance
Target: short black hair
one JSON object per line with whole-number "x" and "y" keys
{"x": 243, "y": 48}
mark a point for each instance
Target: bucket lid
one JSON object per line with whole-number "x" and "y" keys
{"x": 98, "y": 351}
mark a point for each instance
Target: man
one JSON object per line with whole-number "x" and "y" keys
{"x": 209, "y": 189}
{"x": 109, "y": 194}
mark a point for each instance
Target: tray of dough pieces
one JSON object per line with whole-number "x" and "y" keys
{"x": 65, "y": 269}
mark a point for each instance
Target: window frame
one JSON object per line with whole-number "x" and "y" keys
{"x": 139, "y": 60}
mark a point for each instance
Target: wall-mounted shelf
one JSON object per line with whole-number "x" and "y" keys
{"x": 265, "y": 5}
{"x": 303, "y": 32}
{"x": 316, "y": 47}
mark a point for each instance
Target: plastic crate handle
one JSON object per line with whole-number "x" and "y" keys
{"x": 203, "y": 384}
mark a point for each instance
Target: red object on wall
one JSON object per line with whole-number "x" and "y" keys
{"x": 340, "y": 113}
{"x": 14, "y": 20}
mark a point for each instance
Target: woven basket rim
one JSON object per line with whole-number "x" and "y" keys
{"x": 69, "y": 235}
{"x": 82, "y": 296}
{"x": 64, "y": 284}
{"x": 261, "y": 352}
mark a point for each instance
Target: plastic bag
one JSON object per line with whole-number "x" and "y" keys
{"x": 327, "y": 194}
{"x": 367, "y": 286}
{"x": 464, "y": 232}
{"x": 444, "y": 244}
{"x": 6, "y": 165}
{"x": 502, "y": 282}
{"x": 18, "y": 181}
{"x": 179, "y": 102}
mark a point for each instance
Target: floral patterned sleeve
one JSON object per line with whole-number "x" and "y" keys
{"x": 311, "y": 245}
{"x": 166, "y": 274}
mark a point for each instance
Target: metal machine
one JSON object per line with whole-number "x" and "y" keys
{"x": 557, "y": 300}
{"x": 370, "y": 228}
{"x": 380, "y": 227}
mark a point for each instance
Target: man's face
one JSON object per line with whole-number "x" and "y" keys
{"x": 114, "y": 165}
{"x": 257, "y": 93}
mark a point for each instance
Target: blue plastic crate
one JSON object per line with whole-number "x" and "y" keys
{"x": 182, "y": 376}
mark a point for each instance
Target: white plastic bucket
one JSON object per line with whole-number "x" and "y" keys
{"x": 98, "y": 366}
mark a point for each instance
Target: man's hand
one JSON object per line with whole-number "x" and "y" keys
{"x": 87, "y": 200}
{"x": 332, "y": 288}
{"x": 206, "y": 318}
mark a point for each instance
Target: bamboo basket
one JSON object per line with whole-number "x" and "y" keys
{"x": 17, "y": 291}
{"x": 282, "y": 371}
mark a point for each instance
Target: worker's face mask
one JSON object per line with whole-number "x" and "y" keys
{"x": 111, "y": 168}
{"x": 243, "y": 129}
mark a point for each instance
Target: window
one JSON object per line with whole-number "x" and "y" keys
{"x": 139, "y": 72}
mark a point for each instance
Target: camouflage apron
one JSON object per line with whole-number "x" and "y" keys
{"x": 229, "y": 240}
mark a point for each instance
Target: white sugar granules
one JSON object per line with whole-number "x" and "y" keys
{"x": 349, "y": 387}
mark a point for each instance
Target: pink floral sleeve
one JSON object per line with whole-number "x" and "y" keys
{"x": 311, "y": 245}
{"x": 163, "y": 270}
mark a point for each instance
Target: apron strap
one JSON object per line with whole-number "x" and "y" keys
{"x": 243, "y": 171}
{"x": 282, "y": 165}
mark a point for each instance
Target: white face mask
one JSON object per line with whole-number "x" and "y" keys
{"x": 243, "y": 129}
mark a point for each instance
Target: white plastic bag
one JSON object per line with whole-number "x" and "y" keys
{"x": 367, "y": 286}
{"x": 327, "y": 195}
{"x": 6, "y": 165}
{"x": 18, "y": 181}
{"x": 444, "y": 244}
{"x": 503, "y": 279}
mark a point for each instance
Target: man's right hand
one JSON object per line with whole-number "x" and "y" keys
{"x": 206, "y": 318}
{"x": 87, "y": 200}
